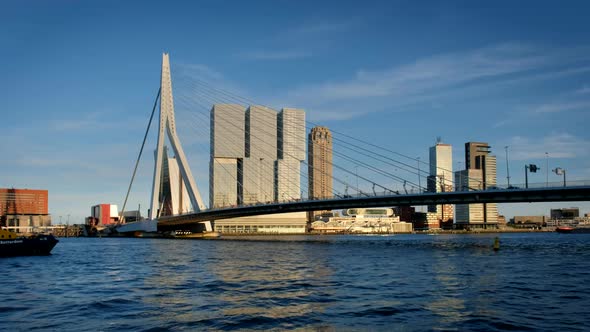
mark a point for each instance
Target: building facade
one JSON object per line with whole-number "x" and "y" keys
{"x": 320, "y": 166}
{"x": 479, "y": 174}
{"x": 441, "y": 179}
{"x": 290, "y": 153}
{"x": 257, "y": 168}
{"x": 473, "y": 215}
{"x": 227, "y": 147}
{"x": 256, "y": 157}
{"x": 23, "y": 209}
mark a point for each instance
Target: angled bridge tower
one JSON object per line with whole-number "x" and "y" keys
{"x": 168, "y": 127}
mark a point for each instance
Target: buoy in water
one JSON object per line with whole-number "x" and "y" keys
{"x": 496, "y": 244}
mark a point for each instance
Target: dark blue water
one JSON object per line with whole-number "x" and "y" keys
{"x": 402, "y": 282}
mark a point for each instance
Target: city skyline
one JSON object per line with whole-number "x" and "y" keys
{"x": 77, "y": 94}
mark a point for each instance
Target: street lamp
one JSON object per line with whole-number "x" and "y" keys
{"x": 507, "y": 169}
{"x": 560, "y": 171}
{"x": 547, "y": 169}
{"x": 529, "y": 168}
{"x": 68, "y": 220}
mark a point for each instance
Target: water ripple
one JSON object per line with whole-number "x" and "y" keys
{"x": 323, "y": 283}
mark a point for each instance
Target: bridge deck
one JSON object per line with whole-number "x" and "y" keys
{"x": 581, "y": 193}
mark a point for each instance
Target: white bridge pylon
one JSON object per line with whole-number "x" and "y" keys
{"x": 168, "y": 127}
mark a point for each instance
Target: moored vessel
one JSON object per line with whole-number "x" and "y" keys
{"x": 12, "y": 245}
{"x": 564, "y": 229}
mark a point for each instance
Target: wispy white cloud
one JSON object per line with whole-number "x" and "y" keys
{"x": 275, "y": 55}
{"x": 559, "y": 107}
{"x": 314, "y": 28}
{"x": 85, "y": 121}
{"x": 431, "y": 79}
{"x": 300, "y": 41}
{"x": 433, "y": 73}
{"x": 557, "y": 145}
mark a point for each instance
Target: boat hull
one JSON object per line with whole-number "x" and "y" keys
{"x": 564, "y": 229}
{"x": 38, "y": 245}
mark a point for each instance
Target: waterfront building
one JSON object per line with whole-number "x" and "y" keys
{"x": 565, "y": 213}
{"x": 103, "y": 214}
{"x": 256, "y": 157}
{"x": 290, "y": 153}
{"x": 279, "y": 223}
{"x": 227, "y": 146}
{"x": 529, "y": 221}
{"x": 441, "y": 179}
{"x": 319, "y": 166}
{"x": 363, "y": 220}
{"x": 23, "y": 209}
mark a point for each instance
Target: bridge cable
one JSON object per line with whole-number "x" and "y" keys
{"x": 122, "y": 219}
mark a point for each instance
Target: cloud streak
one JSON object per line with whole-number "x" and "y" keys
{"x": 275, "y": 55}
{"x": 557, "y": 145}
{"x": 428, "y": 79}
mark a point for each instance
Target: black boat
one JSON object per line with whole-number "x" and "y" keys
{"x": 35, "y": 245}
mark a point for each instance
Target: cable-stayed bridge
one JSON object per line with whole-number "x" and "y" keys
{"x": 274, "y": 184}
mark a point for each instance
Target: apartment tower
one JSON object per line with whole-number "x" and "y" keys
{"x": 441, "y": 178}
{"x": 290, "y": 153}
{"x": 319, "y": 165}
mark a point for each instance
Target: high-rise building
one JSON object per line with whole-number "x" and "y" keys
{"x": 319, "y": 165}
{"x": 227, "y": 148}
{"x": 481, "y": 215}
{"x": 480, "y": 173}
{"x": 256, "y": 158}
{"x": 473, "y": 150}
{"x": 291, "y": 152}
{"x": 257, "y": 175}
{"x": 441, "y": 178}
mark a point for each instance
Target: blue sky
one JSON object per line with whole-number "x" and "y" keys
{"x": 78, "y": 80}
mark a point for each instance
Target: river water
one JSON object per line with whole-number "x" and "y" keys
{"x": 537, "y": 281}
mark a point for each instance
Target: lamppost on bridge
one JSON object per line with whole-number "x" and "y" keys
{"x": 546, "y": 169}
{"x": 507, "y": 168}
{"x": 533, "y": 169}
{"x": 560, "y": 171}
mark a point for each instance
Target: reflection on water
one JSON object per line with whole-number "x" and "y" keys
{"x": 407, "y": 282}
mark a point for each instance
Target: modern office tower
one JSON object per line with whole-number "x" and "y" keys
{"x": 468, "y": 214}
{"x": 441, "y": 178}
{"x": 480, "y": 174}
{"x": 257, "y": 169}
{"x": 227, "y": 148}
{"x": 320, "y": 166}
{"x": 291, "y": 152}
{"x": 473, "y": 150}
